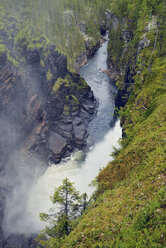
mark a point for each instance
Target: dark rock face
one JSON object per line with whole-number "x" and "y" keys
{"x": 3, "y": 59}
{"x": 80, "y": 112}
{"x": 89, "y": 51}
{"x": 121, "y": 71}
{"x": 2, "y": 206}
{"x": 33, "y": 120}
{"x": 28, "y": 101}
{"x": 20, "y": 241}
{"x": 57, "y": 145}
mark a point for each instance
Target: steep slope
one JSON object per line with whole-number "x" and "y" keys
{"x": 129, "y": 207}
{"x": 74, "y": 27}
{"x": 42, "y": 101}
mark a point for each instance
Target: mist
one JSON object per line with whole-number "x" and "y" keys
{"x": 79, "y": 168}
{"x": 21, "y": 113}
{"x": 25, "y": 113}
{"x": 19, "y": 169}
{"x": 21, "y": 174}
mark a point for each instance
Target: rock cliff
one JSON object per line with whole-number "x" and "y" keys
{"x": 121, "y": 67}
{"x": 124, "y": 50}
{"x": 44, "y": 111}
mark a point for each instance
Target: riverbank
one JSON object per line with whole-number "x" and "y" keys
{"x": 38, "y": 184}
{"x": 129, "y": 205}
{"x": 83, "y": 166}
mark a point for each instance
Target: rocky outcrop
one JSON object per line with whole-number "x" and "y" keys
{"x": 30, "y": 103}
{"x": 75, "y": 102}
{"x": 120, "y": 68}
{"x": 90, "y": 49}
{"x": 91, "y": 46}
{"x": 44, "y": 113}
{"x": 123, "y": 52}
{"x": 120, "y": 36}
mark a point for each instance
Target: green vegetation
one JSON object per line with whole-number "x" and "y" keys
{"x": 129, "y": 208}
{"x": 72, "y": 103}
{"x": 70, "y": 205}
{"x": 49, "y": 75}
{"x": 64, "y": 23}
{"x": 74, "y": 85}
{"x": 12, "y": 60}
{"x": 60, "y": 82}
{"x": 2, "y": 48}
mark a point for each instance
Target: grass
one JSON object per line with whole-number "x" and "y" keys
{"x": 130, "y": 206}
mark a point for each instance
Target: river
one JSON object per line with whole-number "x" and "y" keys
{"x": 104, "y": 133}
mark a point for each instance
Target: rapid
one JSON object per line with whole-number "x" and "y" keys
{"x": 83, "y": 166}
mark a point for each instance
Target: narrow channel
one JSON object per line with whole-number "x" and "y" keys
{"x": 81, "y": 168}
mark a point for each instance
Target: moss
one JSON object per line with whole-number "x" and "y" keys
{"x": 66, "y": 110}
{"x": 34, "y": 45}
{"x": 1, "y": 25}
{"x": 49, "y": 76}
{"x": 59, "y": 82}
{"x": 42, "y": 63}
{"x": 12, "y": 60}
{"x": 72, "y": 100}
{"x": 2, "y": 49}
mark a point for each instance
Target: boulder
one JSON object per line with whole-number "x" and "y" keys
{"x": 79, "y": 135}
{"x": 57, "y": 144}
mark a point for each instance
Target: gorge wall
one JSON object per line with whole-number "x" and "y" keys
{"x": 128, "y": 208}
{"x": 44, "y": 113}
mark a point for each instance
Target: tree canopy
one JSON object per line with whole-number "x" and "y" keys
{"x": 68, "y": 204}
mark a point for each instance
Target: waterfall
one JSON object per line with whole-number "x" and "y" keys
{"x": 81, "y": 168}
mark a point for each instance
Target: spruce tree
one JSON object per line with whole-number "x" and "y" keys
{"x": 68, "y": 205}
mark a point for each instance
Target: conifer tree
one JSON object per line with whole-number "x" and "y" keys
{"x": 68, "y": 205}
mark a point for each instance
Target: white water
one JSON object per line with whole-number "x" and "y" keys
{"x": 82, "y": 168}
{"x": 79, "y": 172}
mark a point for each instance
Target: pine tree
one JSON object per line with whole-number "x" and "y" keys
{"x": 68, "y": 205}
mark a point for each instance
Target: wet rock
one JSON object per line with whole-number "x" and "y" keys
{"x": 32, "y": 115}
{"x": 103, "y": 28}
{"x": 66, "y": 127}
{"x": 89, "y": 108}
{"x": 79, "y": 135}
{"x": 77, "y": 121}
{"x": 91, "y": 49}
{"x": 32, "y": 56}
{"x": 2, "y": 206}
{"x": 20, "y": 241}
{"x": 57, "y": 144}
{"x": 111, "y": 20}
{"x": 3, "y": 59}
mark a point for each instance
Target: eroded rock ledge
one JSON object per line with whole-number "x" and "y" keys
{"x": 44, "y": 111}
{"x": 49, "y": 115}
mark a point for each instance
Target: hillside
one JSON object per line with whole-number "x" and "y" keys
{"x": 45, "y": 108}
{"x": 74, "y": 27}
{"x": 129, "y": 206}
